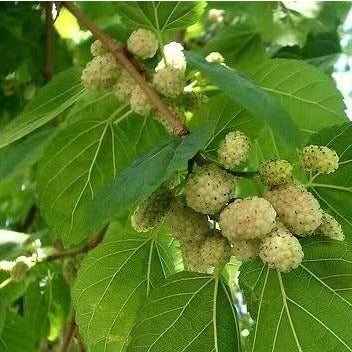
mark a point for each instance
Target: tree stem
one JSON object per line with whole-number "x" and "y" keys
{"x": 120, "y": 53}
{"x": 69, "y": 333}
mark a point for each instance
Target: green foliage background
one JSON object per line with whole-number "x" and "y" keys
{"x": 72, "y": 161}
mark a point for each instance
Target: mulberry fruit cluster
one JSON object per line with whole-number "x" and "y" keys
{"x": 167, "y": 78}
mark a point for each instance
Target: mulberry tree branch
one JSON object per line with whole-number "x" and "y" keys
{"x": 120, "y": 53}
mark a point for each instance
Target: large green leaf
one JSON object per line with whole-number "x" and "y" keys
{"x": 309, "y": 96}
{"x": 160, "y": 16}
{"x": 334, "y": 191}
{"x": 250, "y": 96}
{"x": 307, "y": 309}
{"x": 85, "y": 156}
{"x": 17, "y": 334}
{"x": 112, "y": 284}
{"x": 187, "y": 312}
{"x": 143, "y": 177}
{"x": 50, "y": 102}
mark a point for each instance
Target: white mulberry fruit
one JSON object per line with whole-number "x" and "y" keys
{"x": 169, "y": 82}
{"x": 296, "y": 208}
{"x": 247, "y": 218}
{"x": 19, "y": 270}
{"x": 143, "y": 43}
{"x": 185, "y": 224}
{"x": 140, "y": 103}
{"x": 330, "y": 228}
{"x": 281, "y": 250}
{"x": 245, "y": 250}
{"x": 276, "y": 172}
{"x": 234, "y": 149}
{"x": 216, "y": 15}
{"x": 101, "y": 73}
{"x": 98, "y": 48}
{"x": 209, "y": 189}
{"x": 174, "y": 56}
{"x": 321, "y": 159}
{"x": 124, "y": 87}
{"x": 215, "y": 57}
{"x": 193, "y": 261}
{"x": 151, "y": 211}
{"x": 215, "y": 249}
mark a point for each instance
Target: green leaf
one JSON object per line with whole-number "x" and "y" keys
{"x": 310, "y": 97}
{"x": 17, "y": 159}
{"x": 334, "y": 191}
{"x": 11, "y": 243}
{"x": 50, "y": 102}
{"x": 187, "y": 312}
{"x": 307, "y": 309}
{"x": 16, "y": 335}
{"x": 250, "y": 96}
{"x": 143, "y": 177}
{"x": 83, "y": 157}
{"x": 112, "y": 284}
{"x": 160, "y": 16}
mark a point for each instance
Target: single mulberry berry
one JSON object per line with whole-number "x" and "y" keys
{"x": 20, "y": 269}
{"x": 143, "y": 43}
{"x": 234, "y": 149}
{"x": 215, "y": 249}
{"x": 246, "y": 250}
{"x": 169, "y": 82}
{"x": 281, "y": 250}
{"x": 296, "y": 208}
{"x": 124, "y": 87}
{"x": 174, "y": 56}
{"x": 330, "y": 228}
{"x": 98, "y": 48}
{"x": 209, "y": 189}
{"x": 185, "y": 224}
{"x": 276, "y": 172}
{"x": 151, "y": 211}
{"x": 193, "y": 261}
{"x": 216, "y": 15}
{"x": 70, "y": 268}
{"x": 101, "y": 73}
{"x": 247, "y": 218}
{"x": 321, "y": 159}
{"x": 215, "y": 57}
{"x": 140, "y": 103}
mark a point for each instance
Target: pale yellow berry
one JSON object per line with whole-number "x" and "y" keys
{"x": 276, "y": 172}
{"x": 215, "y": 249}
{"x": 185, "y": 224}
{"x": 152, "y": 210}
{"x": 101, "y": 73}
{"x": 209, "y": 189}
{"x": 169, "y": 82}
{"x": 193, "y": 261}
{"x": 124, "y": 87}
{"x": 321, "y": 159}
{"x": 215, "y": 57}
{"x": 98, "y": 48}
{"x": 143, "y": 43}
{"x": 140, "y": 103}
{"x": 247, "y": 218}
{"x": 234, "y": 149}
{"x": 281, "y": 250}
{"x": 330, "y": 228}
{"x": 174, "y": 56}
{"x": 296, "y": 208}
{"x": 245, "y": 250}
{"x": 216, "y": 15}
